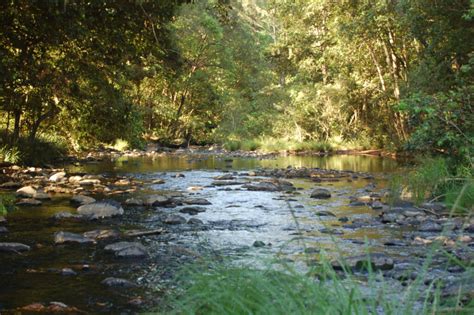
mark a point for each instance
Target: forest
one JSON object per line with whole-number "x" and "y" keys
{"x": 396, "y": 75}
{"x": 237, "y": 156}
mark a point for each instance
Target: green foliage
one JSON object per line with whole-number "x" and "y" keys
{"x": 232, "y": 145}
{"x": 7, "y": 203}
{"x": 9, "y": 154}
{"x": 432, "y": 179}
{"x": 250, "y": 145}
{"x": 209, "y": 288}
{"x": 121, "y": 145}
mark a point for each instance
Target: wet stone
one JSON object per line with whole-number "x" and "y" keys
{"x": 331, "y": 231}
{"x": 192, "y": 210}
{"x": 320, "y": 193}
{"x": 10, "y": 185}
{"x": 174, "y": 219}
{"x": 134, "y": 202}
{"x": 258, "y": 244}
{"x": 324, "y": 213}
{"x": 224, "y": 177}
{"x": 68, "y": 237}
{"x": 270, "y": 185}
{"x": 102, "y": 209}
{"x": 57, "y": 177}
{"x": 13, "y": 247}
{"x": 127, "y": 250}
{"x": 26, "y": 192}
{"x": 376, "y": 205}
{"x": 68, "y": 272}
{"x": 3, "y": 229}
{"x": 158, "y": 200}
{"x": 196, "y": 201}
{"x": 118, "y": 283}
{"x": 195, "y": 221}
{"x": 430, "y": 226}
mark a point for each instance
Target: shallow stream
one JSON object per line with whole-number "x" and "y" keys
{"x": 286, "y": 223}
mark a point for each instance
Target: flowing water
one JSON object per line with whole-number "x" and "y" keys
{"x": 235, "y": 219}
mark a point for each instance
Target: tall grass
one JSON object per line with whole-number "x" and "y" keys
{"x": 432, "y": 180}
{"x": 220, "y": 288}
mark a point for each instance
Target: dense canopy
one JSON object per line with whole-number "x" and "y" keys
{"x": 350, "y": 74}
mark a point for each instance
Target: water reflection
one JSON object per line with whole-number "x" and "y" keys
{"x": 358, "y": 163}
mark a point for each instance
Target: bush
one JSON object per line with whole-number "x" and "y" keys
{"x": 250, "y": 145}
{"x": 121, "y": 145}
{"x": 431, "y": 180}
{"x": 232, "y": 145}
{"x": 10, "y": 154}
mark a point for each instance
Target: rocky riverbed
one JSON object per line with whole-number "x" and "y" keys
{"x": 109, "y": 233}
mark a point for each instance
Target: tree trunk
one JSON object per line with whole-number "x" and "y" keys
{"x": 16, "y": 125}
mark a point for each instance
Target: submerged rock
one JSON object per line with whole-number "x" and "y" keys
{"x": 102, "y": 209}
{"x": 320, "y": 193}
{"x": 118, "y": 282}
{"x": 258, "y": 244}
{"x": 66, "y": 216}
{"x": 101, "y": 234}
{"x": 13, "y": 247}
{"x": 68, "y": 237}
{"x": 29, "y": 202}
{"x": 127, "y": 250}
{"x": 3, "y": 229}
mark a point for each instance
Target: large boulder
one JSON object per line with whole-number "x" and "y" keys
{"x": 320, "y": 193}
{"x": 102, "y": 209}
{"x": 67, "y": 237}
{"x": 127, "y": 250}
{"x": 13, "y": 247}
{"x": 270, "y": 185}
